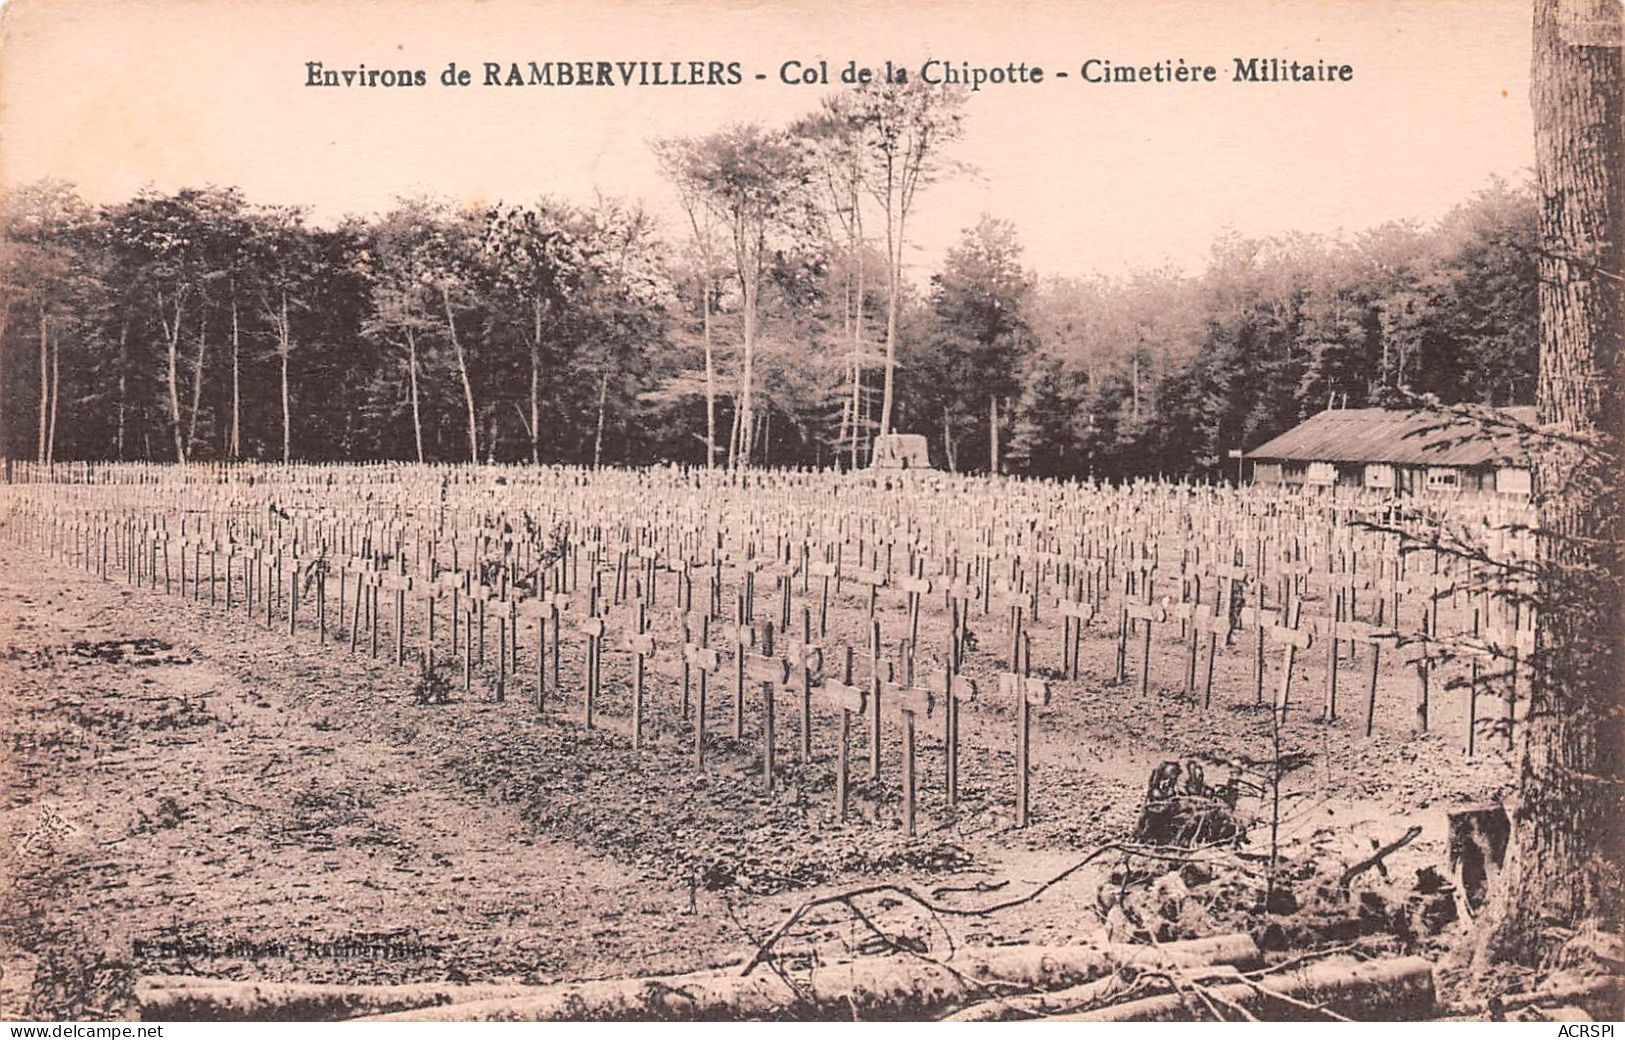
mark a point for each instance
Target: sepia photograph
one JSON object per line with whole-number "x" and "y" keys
{"x": 656, "y": 511}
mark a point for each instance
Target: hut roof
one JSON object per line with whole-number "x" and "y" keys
{"x": 1384, "y": 435}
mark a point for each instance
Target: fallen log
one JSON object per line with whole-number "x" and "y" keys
{"x": 1400, "y": 989}
{"x": 1052, "y": 1002}
{"x": 1558, "y": 1014}
{"x": 891, "y": 987}
{"x": 191, "y": 998}
{"x": 1604, "y": 994}
{"x": 898, "y": 986}
{"x": 892, "y": 984}
{"x": 1605, "y": 989}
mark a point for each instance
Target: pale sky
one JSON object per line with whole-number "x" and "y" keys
{"x": 116, "y": 94}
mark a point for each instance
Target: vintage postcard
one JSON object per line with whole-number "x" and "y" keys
{"x": 865, "y": 510}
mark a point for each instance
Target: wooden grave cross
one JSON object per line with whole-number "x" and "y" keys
{"x": 953, "y": 689}
{"x": 909, "y": 702}
{"x": 1028, "y": 692}
{"x": 957, "y": 598}
{"x": 770, "y": 673}
{"x": 1517, "y": 644}
{"x": 850, "y": 700}
{"x": 748, "y": 569}
{"x": 807, "y": 659}
{"x": 876, "y": 680}
{"x": 700, "y": 657}
{"x": 743, "y": 636}
{"x": 823, "y": 571}
{"x": 1147, "y": 614}
{"x": 594, "y": 629}
{"x": 1418, "y": 653}
{"x": 1215, "y": 625}
{"x": 1376, "y": 638}
{"x": 1186, "y": 613}
{"x": 1260, "y": 620}
{"x": 1076, "y": 616}
{"x": 1293, "y": 639}
{"x": 916, "y": 587}
{"x": 538, "y": 609}
{"x": 1231, "y": 591}
{"x": 641, "y": 645}
{"x": 873, "y": 580}
{"x": 400, "y": 585}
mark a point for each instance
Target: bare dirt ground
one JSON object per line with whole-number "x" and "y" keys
{"x": 189, "y": 792}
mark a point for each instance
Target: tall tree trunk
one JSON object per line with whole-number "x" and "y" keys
{"x": 5, "y": 431}
{"x": 56, "y": 395}
{"x": 993, "y": 435}
{"x": 45, "y": 382}
{"x": 841, "y": 437}
{"x": 412, "y": 378}
{"x": 598, "y": 437}
{"x": 1136, "y": 384}
{"x": 286, "y": 335}
{"x": 747, "y": 377}
{"x": 865, "y": 425}
{"x": 948, "y": 444}
{"x": 1382, "y": 369}
{"x": 857, "y": 417}
{"x": 702, "y": 243}
{"x": 536, "y": 383}
{"x": 846, "y": 336}
{"x": 197, "y": 380}
{"x": 733, "y": 435}
{"x": 123, "y": 383}
{"x": 462, "y": 372}
{"x": 535, "y": 405}
{"x": 894, "y": 285}
{"x": 236, "y": 380}
{"x": 710, "y": 376}
{"x": 857, "y": 376}
{"x": 857, "y": 320}
{"x": 172, "y": 335}
{"x": 1564, "y": 861}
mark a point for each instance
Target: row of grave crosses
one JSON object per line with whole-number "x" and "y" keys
{"x": 767, "y": 664}
{"x": 272, "y": 581}
{"x": 259, "y": 579}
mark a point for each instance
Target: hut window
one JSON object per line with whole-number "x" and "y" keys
{"x": 1321, "y": 473}
{"x": 1443, "y": 479}
{"x": 1379, "y": 475}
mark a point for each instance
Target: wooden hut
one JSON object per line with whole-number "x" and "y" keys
{"x": 1398, "y": 451}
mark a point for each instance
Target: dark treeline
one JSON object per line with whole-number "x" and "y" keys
{"x": 771, "y": 325}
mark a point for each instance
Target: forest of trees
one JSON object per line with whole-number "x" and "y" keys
{"x": 772, "y": 325}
